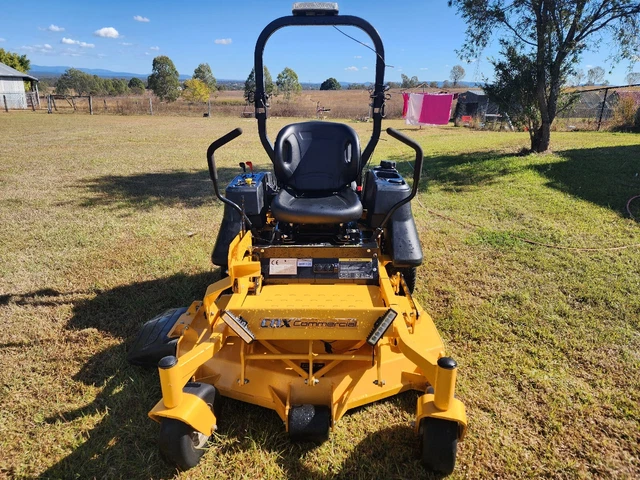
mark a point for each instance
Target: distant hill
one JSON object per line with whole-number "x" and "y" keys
{"x": 56, "y": 71}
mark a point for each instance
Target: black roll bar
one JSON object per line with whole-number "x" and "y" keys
{"x": 378, "y": 96}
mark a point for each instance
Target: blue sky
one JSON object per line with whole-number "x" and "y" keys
{"x": 420, "y": 38}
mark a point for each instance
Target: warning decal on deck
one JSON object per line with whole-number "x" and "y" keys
{"x": 283, "y": 266}
{"x": 305, "y": 262}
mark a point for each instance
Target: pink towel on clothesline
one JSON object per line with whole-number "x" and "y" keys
{"x": 427, "y": 108}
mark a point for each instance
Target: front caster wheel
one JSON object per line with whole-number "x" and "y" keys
{"x": 180, "y": 444}
{"x": 309, "y": 423}
{"x": 438, "y": 444}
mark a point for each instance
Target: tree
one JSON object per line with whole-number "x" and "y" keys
{"x": 13, "y": 60}
{"x": 203, "y": 72}
{"x": 595, "y": 76}
{"x": 633, "y": 78}
{"x": 250, "y": 83}
{"x": 433, "y": 84}
{"x": 409, "y": 82}
{"x": 195, "y": 90}
{"x": 164, "y": 79}
{"x": 457, "y": 74}
{"x": 330, "y": 84}
{"x": 136, "y": 85}
{"x": 73, "y": 79}
{"x": 446, "y": 84}
{"x": 287, "y": 83}
{"x": 576, "y": 78}
{"x": 552, "y": 34}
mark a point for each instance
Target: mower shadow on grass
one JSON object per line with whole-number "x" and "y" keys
{"x": 607, "y": 176}
{"x": 184, "y": 188}
{"x": 123, "y": 442}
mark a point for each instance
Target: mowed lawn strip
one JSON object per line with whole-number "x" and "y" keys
{"x": 108, "y": 221}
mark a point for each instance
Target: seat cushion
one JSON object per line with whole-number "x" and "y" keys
{"x": 343, "y": 206}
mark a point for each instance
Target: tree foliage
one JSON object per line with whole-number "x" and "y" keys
{"x": 136, "y": 85}
{"x": 457, "y": 74}
{"x": 633, "y": 78}
{"x": 330, "y": 84}
{"x": 203, "y": 72}
{"x": 287, "y": 83}
{"x": 81, "y": 83}
{"x": 595, "y": 76}
{"x": 164, "y": 79}
{"x": 409, "y": 82}
{"x": 553, "y": 34}
{"x": 13, "y": 60}
{"x": 250, "y": 83}
{"x": 195, "y": 90}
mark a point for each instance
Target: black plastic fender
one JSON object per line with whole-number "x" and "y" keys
{"x": 152, "y": 342}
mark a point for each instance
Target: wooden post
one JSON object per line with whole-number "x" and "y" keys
{"x": 90, "y": 105}
{"x": 33, "y": 102}
{"x": 6, "y": 107}
{"x": 209, "y": 108}
{"x": 53, "y": 100}
{"x": 105, "y": 104}
{"x": 37, "y": 94}
{"x": 150, "y": 107}
{"x": 604, "y": 102}
{"x": 48, "y": 103}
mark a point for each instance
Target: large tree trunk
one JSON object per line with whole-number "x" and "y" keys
{"x": 541, "y": 138}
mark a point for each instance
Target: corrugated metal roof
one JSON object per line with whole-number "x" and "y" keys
{"x": 7, "y": 71}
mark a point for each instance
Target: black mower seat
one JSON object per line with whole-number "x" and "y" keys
{"x": 316, "y": 164}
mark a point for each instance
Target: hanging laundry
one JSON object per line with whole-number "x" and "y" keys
{"x": 427, "y": 108}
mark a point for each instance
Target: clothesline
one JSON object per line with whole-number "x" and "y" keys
{"x": 427, "y": 108}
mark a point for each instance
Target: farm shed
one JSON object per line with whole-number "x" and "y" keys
{"x": 475, "y": 104}
{"x": 12, "y": 89}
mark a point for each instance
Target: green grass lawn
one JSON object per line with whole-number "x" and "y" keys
{"x": 107, "y": 221}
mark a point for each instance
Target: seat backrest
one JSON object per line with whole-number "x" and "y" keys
{"x": 314, "y": 156}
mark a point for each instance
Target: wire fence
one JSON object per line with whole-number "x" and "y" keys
{"x": 603, "y": 108}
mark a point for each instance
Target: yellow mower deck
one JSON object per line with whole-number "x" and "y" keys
{"x": 289, "y": 362}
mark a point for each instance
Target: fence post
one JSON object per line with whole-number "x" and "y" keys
{"x": 48, "y": 103}
{"x": 53, "y": 100}
{"x": 209, "y": 108}
{"x": 604, "y": 102}
{"x": 6, "y": 107}
{"x": 105, "y": 104}
{"x": 150, "y": 107}
{"x": 90, "y": 105}
{"x": 33, "y": 102}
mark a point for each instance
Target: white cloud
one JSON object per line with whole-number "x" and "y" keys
{"x": 101, "y": 55}
{"x": 147, "y": 53}
{"x": 424, "y": 68}
{"x": 222, "y": 41}
{"x": 3, "y": 39}
{"x": 70, "y": 41}
{"x": 107, "y": 32}
{"x": 140, "y": 18}
{"x": 358, "y": 56}
{"x": 365, "y": 68}
{"x": 154, "y": 48}
{"x": 55, "y": 28}
{"x": 46, "y": 46}
{"x": 126, "y": 44}
{"x": 352, "y": 69}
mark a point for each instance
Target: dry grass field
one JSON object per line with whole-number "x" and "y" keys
{"x": 109, "y": 220}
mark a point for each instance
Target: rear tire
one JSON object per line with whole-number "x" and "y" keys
{"x": 438, "y": 444}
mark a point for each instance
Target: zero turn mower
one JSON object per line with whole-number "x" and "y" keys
{"x": 316, "y": 315}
